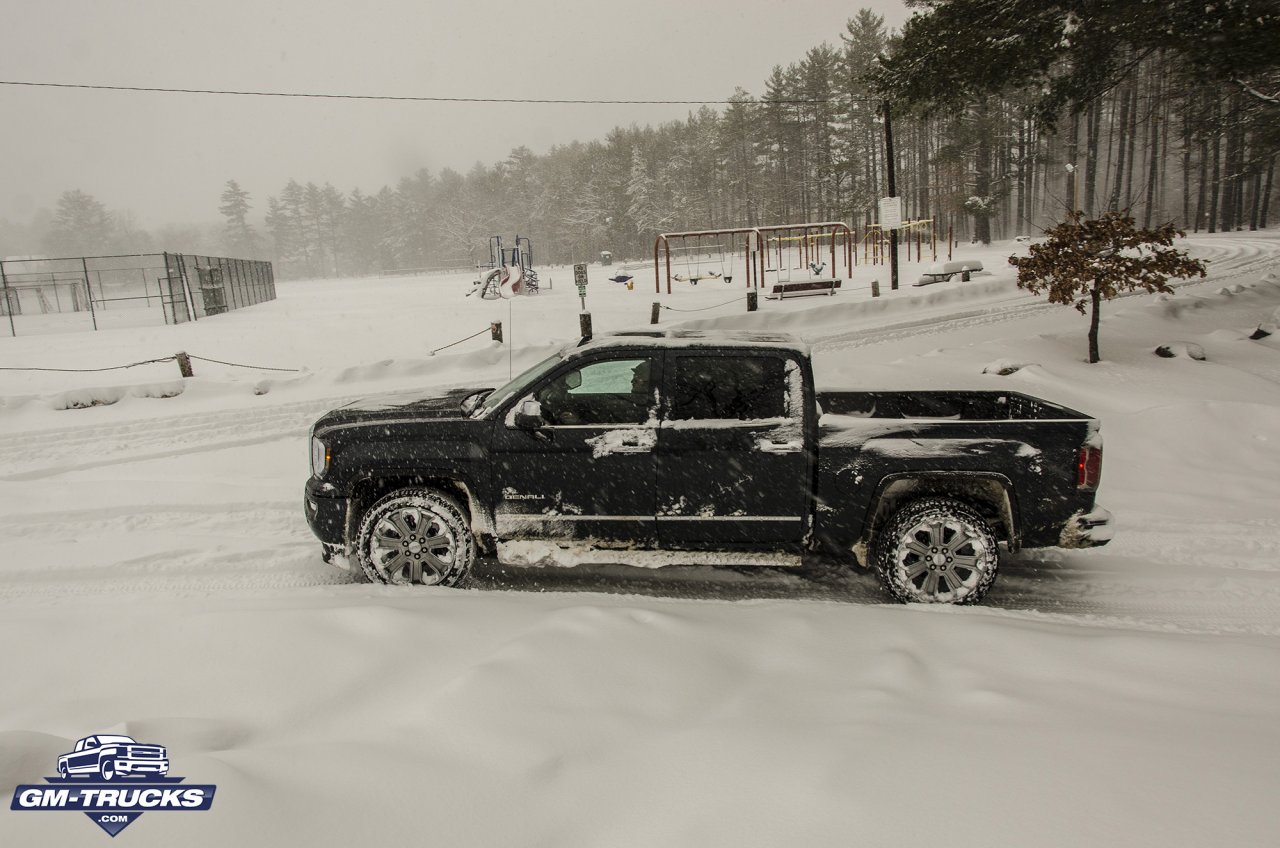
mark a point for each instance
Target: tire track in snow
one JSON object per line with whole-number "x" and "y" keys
{"x": 49, "y": 453}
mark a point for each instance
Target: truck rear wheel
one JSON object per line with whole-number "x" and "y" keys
{"x": 416, "y": 536}
{"x": 937, "y": 551}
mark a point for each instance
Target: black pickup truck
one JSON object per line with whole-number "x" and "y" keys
{"x": 665, "y": 448}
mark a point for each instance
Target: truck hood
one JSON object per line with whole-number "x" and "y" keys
{"x": 397, "y": 407}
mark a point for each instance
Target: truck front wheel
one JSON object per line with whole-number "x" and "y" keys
{"x": 416, "y": 536}
{"x": 938, "y": 551}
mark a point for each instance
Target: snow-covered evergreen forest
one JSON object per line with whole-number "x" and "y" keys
{"x": 1160, "y": 119}
{"x": 1166, "y": 141}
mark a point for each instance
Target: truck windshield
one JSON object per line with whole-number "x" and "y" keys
{"x": 521, "y": 384}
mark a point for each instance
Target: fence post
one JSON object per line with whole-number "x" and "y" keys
{"x": 184, "y": 364}
{"x": 584, "y": 324}
{"x": 93, "y": 313}
{"x": 8, "y": 304}
{"x": 752, "y": 301}
{"x": 653, "y": 313}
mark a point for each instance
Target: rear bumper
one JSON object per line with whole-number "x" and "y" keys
{"x": 1088, "y": 529}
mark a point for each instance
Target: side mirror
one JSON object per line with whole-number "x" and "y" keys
{"x": 529, "y": 415}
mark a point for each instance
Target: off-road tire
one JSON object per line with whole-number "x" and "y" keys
{"x": 416, "y": 536}
{"x": 937, "y": 551}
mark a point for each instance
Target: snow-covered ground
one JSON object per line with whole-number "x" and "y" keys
{"x": 157, "y": 579}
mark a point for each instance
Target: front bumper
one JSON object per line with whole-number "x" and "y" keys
{"x": 1088, "y": 529}
{"x": 326, "y": 514}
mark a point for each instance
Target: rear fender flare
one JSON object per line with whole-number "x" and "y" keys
{"x": 991, "y": 493}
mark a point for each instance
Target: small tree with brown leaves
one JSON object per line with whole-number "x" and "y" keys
{"x": 1088, "y": 261}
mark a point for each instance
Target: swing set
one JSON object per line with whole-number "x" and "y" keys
{"x": 784, "y": 245}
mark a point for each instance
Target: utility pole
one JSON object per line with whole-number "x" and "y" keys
{"x": 893, "y": 192}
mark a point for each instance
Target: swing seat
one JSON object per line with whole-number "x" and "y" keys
{"x": 781, "y": 291}
{"x": 711, "y": 275}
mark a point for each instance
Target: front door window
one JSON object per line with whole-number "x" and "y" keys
{"x": 615, "y": 391}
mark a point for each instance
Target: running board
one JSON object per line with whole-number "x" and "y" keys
{"x": 567, "y": 555}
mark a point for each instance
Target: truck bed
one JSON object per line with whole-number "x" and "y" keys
{"x": 945, "y": 405}
{"x": 867, "y": 439}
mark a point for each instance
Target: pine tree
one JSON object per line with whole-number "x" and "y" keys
{"x": 81, "y": 226}
{"x": 240, "y": 236}
{"x": 1088, "y": 261}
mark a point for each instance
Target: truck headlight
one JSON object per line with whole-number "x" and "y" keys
{"x": 319, "y": 457}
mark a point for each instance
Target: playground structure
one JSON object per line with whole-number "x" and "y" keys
{"x": 875, "y": 242}
{"x": 815, "y": 249}
{"x": 509, "y": 272}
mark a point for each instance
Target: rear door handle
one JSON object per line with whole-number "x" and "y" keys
{"x": 632, "y": 447}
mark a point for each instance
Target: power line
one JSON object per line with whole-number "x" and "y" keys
{"x": 423, "y": 99}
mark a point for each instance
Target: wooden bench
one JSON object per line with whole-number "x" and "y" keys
{"x": 783, "y": 290}
{"x": 941, "y": 272}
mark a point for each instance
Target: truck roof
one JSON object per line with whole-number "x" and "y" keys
{"x": 695, "y": 338}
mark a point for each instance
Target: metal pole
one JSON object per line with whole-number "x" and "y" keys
{"x": 657, "y": 277}
{"x": 193, "y": 313}
{"x": 893, "y": 192}
{"x": 237, "y": 285}
{"x": 93, "y": 313}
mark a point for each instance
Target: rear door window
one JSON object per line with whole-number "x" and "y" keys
{"x": 742, "y": 388}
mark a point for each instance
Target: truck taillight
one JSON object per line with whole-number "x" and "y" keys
{"x": 1088, "y": 467}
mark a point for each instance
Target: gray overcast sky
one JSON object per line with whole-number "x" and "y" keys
{"x": 167, "y": 156}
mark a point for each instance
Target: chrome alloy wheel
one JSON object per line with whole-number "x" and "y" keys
{"x": 938, "y": 551}
{"x": 409, "y": 545}
{"x": 416, "y": 536}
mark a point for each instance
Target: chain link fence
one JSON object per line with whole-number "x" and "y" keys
{"x": 111, "y": 292}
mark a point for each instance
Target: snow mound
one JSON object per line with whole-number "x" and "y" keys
{"x": 1005, "y": 367}
{"x": 1173, "y": 307}
{"x": 1186, "y": 350}
{"x": 108, "y": 395}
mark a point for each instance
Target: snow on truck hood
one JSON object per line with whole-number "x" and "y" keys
{"x": 418, "y": 400}
{"x": 413, "y": 404}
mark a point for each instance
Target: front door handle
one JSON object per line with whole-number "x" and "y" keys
{"x": 623, "y": 442}
{"x": 779, "y": 446}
